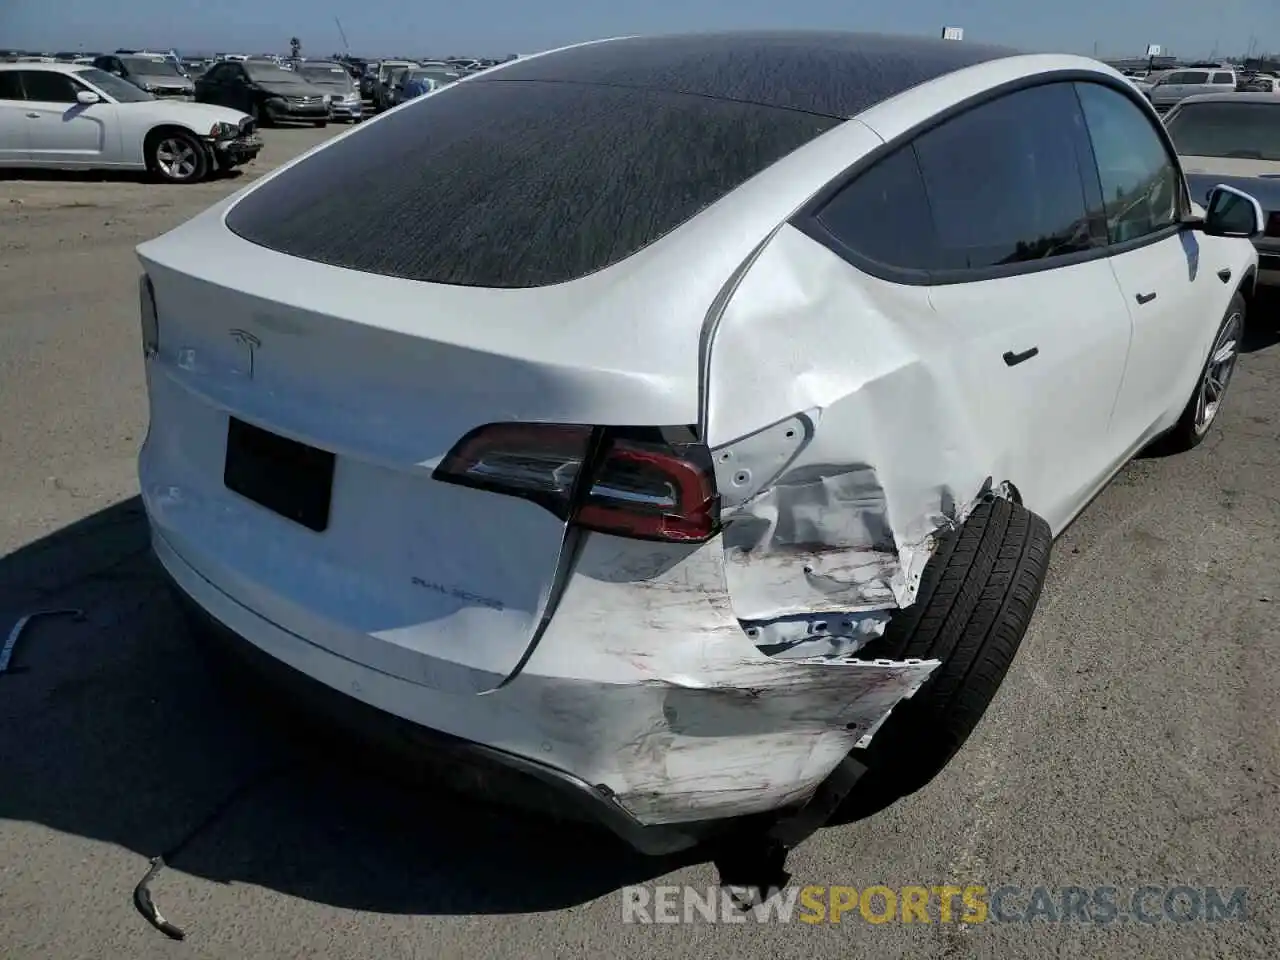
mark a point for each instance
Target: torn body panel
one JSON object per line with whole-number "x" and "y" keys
{"x": 831, "y": 513}
{"x": 643, "y": 686}
{"x": 690, "y": 720}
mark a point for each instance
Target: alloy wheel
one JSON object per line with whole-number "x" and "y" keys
{"x": 1217, "y": 373}
{"x": 177, "y": 158}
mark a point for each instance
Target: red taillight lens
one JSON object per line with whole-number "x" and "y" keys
{"x": 651, "y": 490}
{"x": 644, "y": 483}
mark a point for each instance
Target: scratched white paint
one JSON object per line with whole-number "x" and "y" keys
{"x": 679, "y": 714}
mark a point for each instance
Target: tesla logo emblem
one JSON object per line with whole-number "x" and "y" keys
{"x": 250, "y": 343}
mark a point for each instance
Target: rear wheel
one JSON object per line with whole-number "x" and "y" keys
{"x": 178, "y": 157}
{"x": 975, "y": 602}
{"x": 320, "y": 123}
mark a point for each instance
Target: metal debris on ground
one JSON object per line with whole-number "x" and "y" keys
{"x": 147, "y": 907}
{"x": 142, "y": 898}
{"x": 6, "y": 653}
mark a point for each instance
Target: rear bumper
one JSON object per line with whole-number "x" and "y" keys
{"x": 467, "y": 766}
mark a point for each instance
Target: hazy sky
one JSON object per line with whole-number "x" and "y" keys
{"x": 497, "y": 27}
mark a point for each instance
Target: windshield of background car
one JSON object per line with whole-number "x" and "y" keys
{"x": 121, "y": 91}
{"x": 528, "y": 183}
{"x": 329, "y": 75}
{"x": 1245, "y": 131}
{"x": 148, "y": 67}
{"x": 270, "y": 73}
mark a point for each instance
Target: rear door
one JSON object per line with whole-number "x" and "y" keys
{"x": 1168, "y": 291}
{"x": 945, "y": 317}
{"x": 61, "y": 131}
{"x": 13, "y": 121}
{"x": 1022, "y": 275}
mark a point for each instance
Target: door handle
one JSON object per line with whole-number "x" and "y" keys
{"x": 1146, "y": 297}
{"x": 1012, "y": 359}
{"x": 33, "y": 116}
{"x": 1225, "y": 274}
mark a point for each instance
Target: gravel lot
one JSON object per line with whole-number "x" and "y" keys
{"x": 1136, "y": 740}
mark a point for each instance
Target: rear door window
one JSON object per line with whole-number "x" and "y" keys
{"x": 1194, "y": 77}
{"x": 10, "y": 88}
{"x": 518, "y": 183}
{"x": 1234, "y": 130}
{"x": 1224, "y": 78}
{"x": 1005, "y": 184}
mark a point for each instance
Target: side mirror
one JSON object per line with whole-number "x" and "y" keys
{"x": 1231, "y": 213}
{"x": 87, "y": 97}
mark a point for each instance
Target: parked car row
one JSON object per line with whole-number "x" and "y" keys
{"x": 1167, "y": 88}
{"x": 392, "y": 82}
{"x": 272, "y": 93}
{"x": 80, "y": 117}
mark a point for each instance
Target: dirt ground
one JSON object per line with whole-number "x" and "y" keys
{"x": 1136, "y": 740}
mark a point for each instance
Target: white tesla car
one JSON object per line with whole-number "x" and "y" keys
{"x": 69, "y": 116}
{"x": 716, "y": 395}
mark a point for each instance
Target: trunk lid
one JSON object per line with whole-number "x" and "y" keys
{"x": 433, "y": 582}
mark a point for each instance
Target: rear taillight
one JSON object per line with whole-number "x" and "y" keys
{"x": 645, "y": 483}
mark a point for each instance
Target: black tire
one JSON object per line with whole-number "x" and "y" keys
{"x": 320, "y": 123}
{"x": 262, "y": 116}
{"x": 175, "y": 156}
{"x": 1189, "y": 432}
{"x": 975, "y": 602}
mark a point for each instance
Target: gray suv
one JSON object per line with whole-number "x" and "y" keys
{"x": 1180, "y": 84}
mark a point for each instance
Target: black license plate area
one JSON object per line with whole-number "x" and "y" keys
{"x": 283, "y": 475}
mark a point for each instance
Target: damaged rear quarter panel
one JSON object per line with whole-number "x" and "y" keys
{"x": 647, "y": 684}
{"x": 840, "y": 443}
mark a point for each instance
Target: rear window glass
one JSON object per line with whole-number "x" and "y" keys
{"x": 517, "y": 184}
{"x": 1238, "y": 131}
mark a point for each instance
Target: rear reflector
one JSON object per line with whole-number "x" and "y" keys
{"x": 644, "y": 483}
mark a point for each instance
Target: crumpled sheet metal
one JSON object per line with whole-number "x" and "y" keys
{"x": 832, "y": 511}
{"x": 686, "y": 718}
